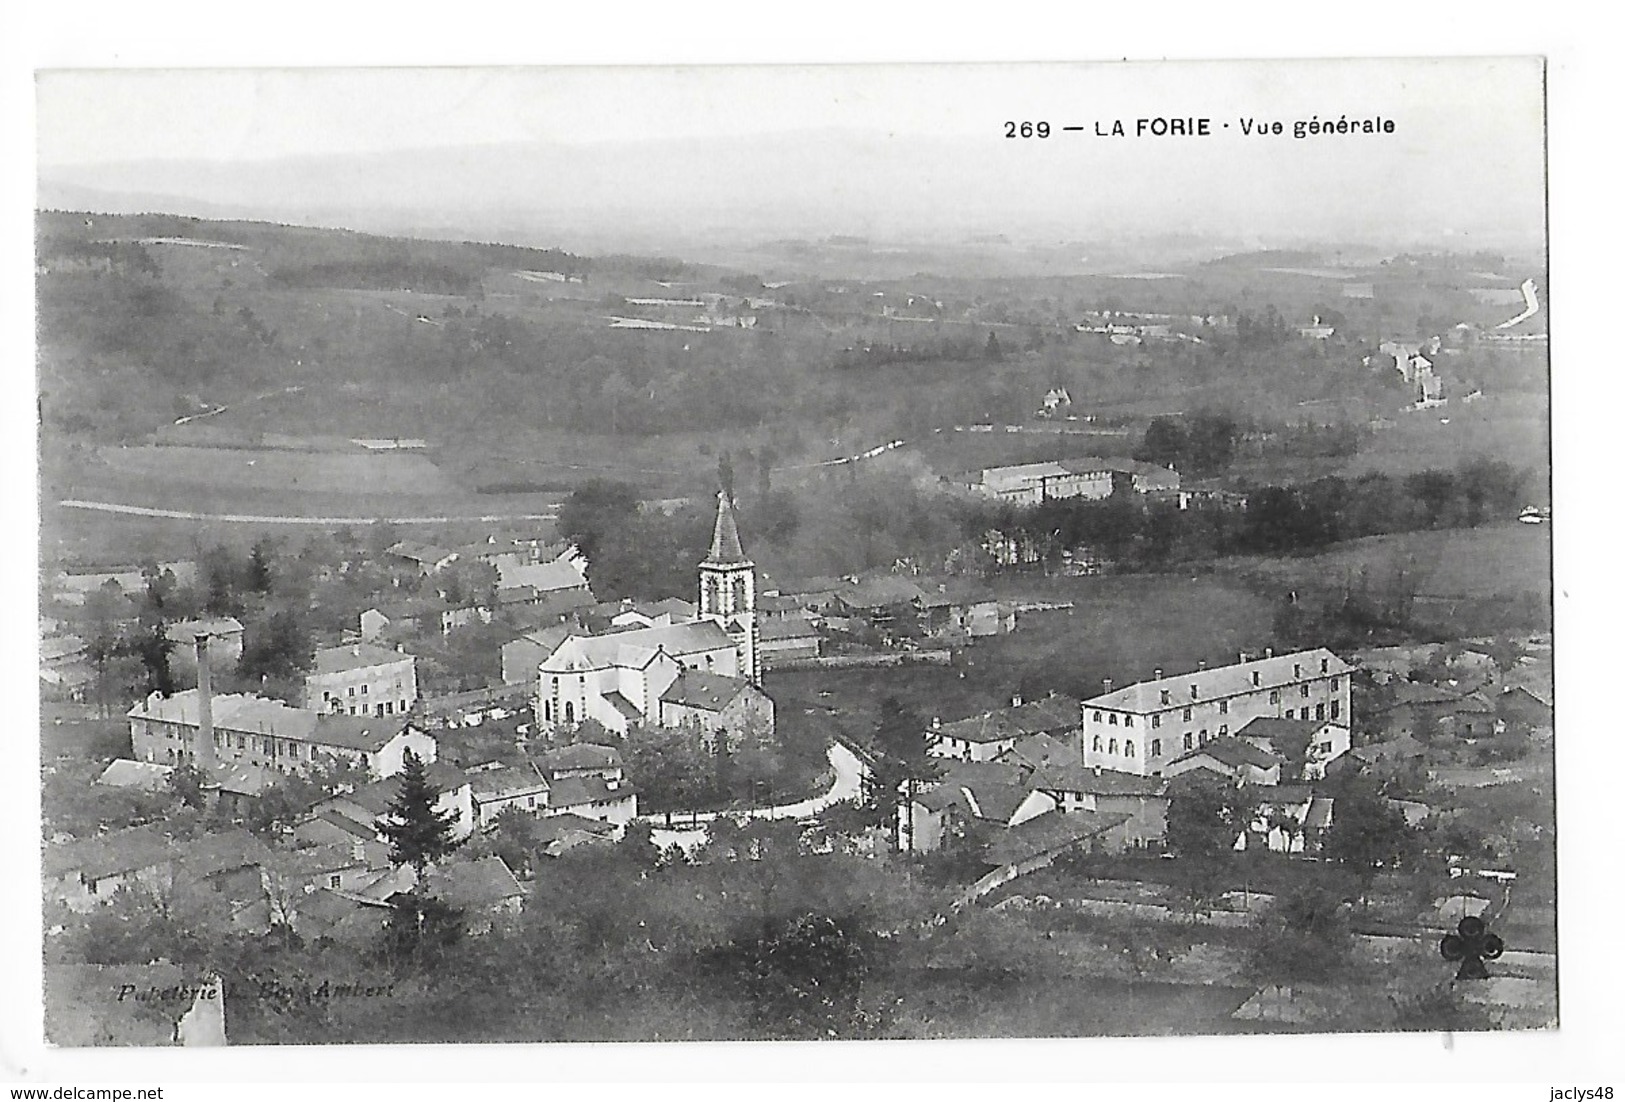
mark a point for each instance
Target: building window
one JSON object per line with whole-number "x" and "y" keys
{"x": 363, "y": 690}
{"x": 1097, "y": 717}
{"x": 1128, "y": 721}
{"x": 1255, "y": 679}
{"x": 1111, "y": 747}
{"x": 1187, "y": 715}
{"x": 1156, "y": 720}
{"x": 1320, "y": 711}
{"x": 1187, "y": 740}
{"x": 1201, "y": 737}
{"x": 1275, "y": 696}
{"x": 1128, "y": 747}
{"x": 1224, "y": 707}
{"x": 1165, "y": 696}
{"x": 1193, "y": 692}
{"x": 1334, "y": 684}
{"x": 333, "y": 881}
{"x": 1334, "y": 709}
{"x": 1112, "y": 719}
{"x": 1297, "y": 670}
{"x": 569, "y": 712}
{"x": 1224, "y": 729}
{"x": 1324, "y": 665}
{"x": 1097, "y": 744}
{"x": 1156, "y": 748}
{"x": 350, "y": 691}
{"x": 1305, "y": 691}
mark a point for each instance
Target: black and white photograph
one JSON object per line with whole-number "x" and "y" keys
{"x": 851, "y": 552}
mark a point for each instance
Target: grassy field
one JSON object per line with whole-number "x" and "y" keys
{"x": 1502, "y": 561}
{"x": 1122, "y": 627}
{"x": 273, "y": 469}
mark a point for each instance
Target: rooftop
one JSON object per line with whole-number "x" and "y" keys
{"x": 1052, "y": 713}
{"x": 711, "y": 692}
{"x": 1274, "y": 672}
{"x": 1099, "y": 782}
{"x": 1050, "y": 831}
{"x": 356, "y": 656}
{"x": 486, "y": 882}
{"x": 580, "y": 755}
{"x": 576, "y": 791}
{"x": 119, "y": 851}
{"x": 1233, "y": 752}
{"x": 637, "y": 645}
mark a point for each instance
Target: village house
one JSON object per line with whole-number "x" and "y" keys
{"x": 421, "y": 559}
{"x": 985, "y": 737}
{"x": 583, "y": 780}
{"x": 886, "y": 603}
{"x": 454, "y": 795}
{"x": 1074, "y": 788}
{"x": 483, "y": 889}
{"x": 1421, "y": 711}
{"x": 65, "y": 670}
{"x": 985, "y": 791}
{"x": 90, "y": 871}
{"x": 1145, "y": 726}
{"x": 426, "y": 613}
{"x": 362, "y": 679}
{"x": 789, "y": 639}
{"x": 655, "y": 614}
{"x": 1522, "y": 709}
{"x": 719, "y": 707}
{"x": 561, "y": 575}
{"x": 962, "y": 609}
{"x": 1318, "y": 743}
{"x": 1233, "y": 759}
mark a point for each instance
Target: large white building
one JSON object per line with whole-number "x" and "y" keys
{"x": 1141, "y": 728}
{"x": 362, "y": 679}
{"x": 262, "y": 734}
{"x": 1090, "y": 478}
{"x": 634, "y": 676}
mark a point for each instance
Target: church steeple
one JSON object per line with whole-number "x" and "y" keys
{"x": 728, "y": 590}
{"x": 725, "y": 548}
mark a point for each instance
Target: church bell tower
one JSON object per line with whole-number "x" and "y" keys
{"x": 728, "y": 591}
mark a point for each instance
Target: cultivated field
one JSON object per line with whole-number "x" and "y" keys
{"x": 273, "y": 469}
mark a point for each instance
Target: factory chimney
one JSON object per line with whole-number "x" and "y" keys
{"x": 203, "y": 752}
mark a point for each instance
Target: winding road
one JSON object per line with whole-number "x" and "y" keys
{"x": 848, "y": 785}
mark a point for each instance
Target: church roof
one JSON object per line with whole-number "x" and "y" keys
{"x": 725, "y": 548}
{"x": 636, "y": 647}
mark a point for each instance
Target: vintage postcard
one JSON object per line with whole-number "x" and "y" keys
{"x": 795, "y": 553}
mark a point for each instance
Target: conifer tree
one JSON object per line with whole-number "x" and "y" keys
{"x": 419, "y": 833}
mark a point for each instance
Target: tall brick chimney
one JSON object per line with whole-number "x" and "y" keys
{"x": 203, "y": 751}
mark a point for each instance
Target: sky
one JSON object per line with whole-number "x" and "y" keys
{"x": 1466, "y": 153}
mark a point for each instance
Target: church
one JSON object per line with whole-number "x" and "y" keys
{"x": 705, "y": 673}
